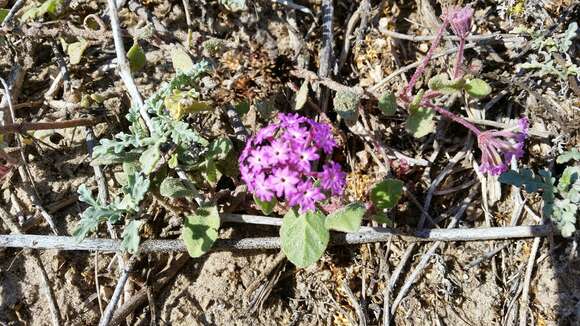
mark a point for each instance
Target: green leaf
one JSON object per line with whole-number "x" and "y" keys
{"x": 219, "y": 148}
{"x": 266, "y": 206}
{"x": 149, "y": 158}
{"x": 200, "y": 230}
{"x": 243, "y": 107}
{"x": 346, "y": 105}
{"x": 525, "y": 178}
{"x": 211, "y": 173}
{"x": 85, "y": 227}
{"x": 388, "y": 104}
{"x": 564, "y": 217}
{"x": 48, "y": 7}
{"x": 303, "y": 237}
{"x": 382, "y": 219}
{"x": 573, "y": 154}
{"x": 135, "y": 190}
{"x": 174, "y": 188}
{"x": 131, "y": 236}
{"x": 420, "y": 122}
{"x": 477, "y": 88}
{"x": 386, "y": 194}
{"x": 181, "y": 103}
{"x": 136, "y": 57}
{"x": 3, "y": 14}
{"x": 442, "y": 84}
{"x": 75, "y": 51}
{"x": 301, "y": 96}
{"x": 181, "y": 61}
{"x": 86, "y": 196}
{"x": 346, "y": 219}
{"x": 569, "y": 184}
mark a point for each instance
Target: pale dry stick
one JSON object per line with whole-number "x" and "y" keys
{"x": 108, "y": 314}
{"x": 23, "y": 170}
{"x": 16, "y": 80}
{"x": 45, "y": 284}
{"x": 363, "y": 9}
{"x": 528, "y": 277}
{"x": 486, "y": 256}
{"x": 97, "y": 283}
{"x": 381, "y": 235}
{"x": 425, "y": 259}
{"x": 531, "y": 131}
{"x": 326, "y": 55}
{"x": 495, "y": 37}
{"x": 141, "y": 296}
{"x": 355, "y": 304}
{"x": 187, "y": 9}
{"x": 27, "y": 126}
{"x": 123, "y": 65}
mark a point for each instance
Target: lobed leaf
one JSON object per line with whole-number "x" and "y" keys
{"x": 131, "y": 238}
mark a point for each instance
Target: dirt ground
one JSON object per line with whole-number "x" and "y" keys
{"x": 261, "y": 49}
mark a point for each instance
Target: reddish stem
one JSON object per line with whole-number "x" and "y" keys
{"x": 459, "y": 60}
{"x": 419, "y": 71}
{"x": 453, "y": 117}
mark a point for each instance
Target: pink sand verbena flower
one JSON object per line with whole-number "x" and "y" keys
{"x": 282, "y": 161}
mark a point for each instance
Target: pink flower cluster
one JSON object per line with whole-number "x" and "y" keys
{"x": 507, "y": 143}
{"x": 281, "y": 159}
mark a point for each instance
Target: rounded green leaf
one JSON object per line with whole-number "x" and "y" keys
{"x": 174, "y": 188}
{"x": 477, "y": 88}
{"x": 181, "y": 60}
{"x": 200, "y": 230}
{"x": 386, "y": 194}
{"x": 346, "y": 105}
{"x": 420, "y": 122}
{"x": 388, "y": 104}
{"x": 442, "y": 83}
{"x": 75, "y": 51}
{"x": 136, "y": 57}
{"x": 346, "y": 219}
{"x": 303, "y": 237}
{"x": 266, "y": 206}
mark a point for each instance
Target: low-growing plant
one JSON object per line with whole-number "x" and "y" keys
{"x": 280, "y": 165}
{"x": 561, "y": 198}
{"x": 150, "y": 159}
{"x": 497, "y": 146}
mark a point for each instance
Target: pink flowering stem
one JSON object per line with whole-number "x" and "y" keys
{"x": 459, "y": 60}
{"x": 419, "y": 71}
{"x": 452, "y": 116}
